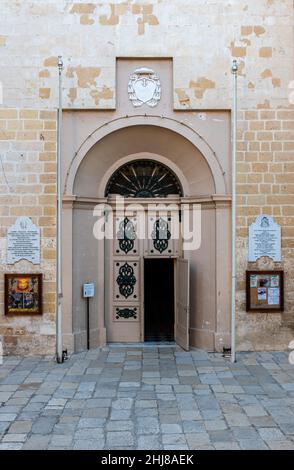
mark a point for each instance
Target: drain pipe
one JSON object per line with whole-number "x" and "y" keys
{"x": 59, "y": 294}
{"x": 234, "y": 164}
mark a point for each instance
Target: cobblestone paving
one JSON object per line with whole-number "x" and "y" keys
{"x": 147, "y": 398}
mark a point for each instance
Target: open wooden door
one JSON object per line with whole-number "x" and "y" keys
{"x": 182, "y": 318}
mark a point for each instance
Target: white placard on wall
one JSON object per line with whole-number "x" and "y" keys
{"x": 264, "y": 239}
{"x": 23, "y": 241}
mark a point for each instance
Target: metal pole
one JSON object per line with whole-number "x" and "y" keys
{"x": 59, "y": 300}
{"x": 88, "y": 323}
{"x": 234, "y": 159}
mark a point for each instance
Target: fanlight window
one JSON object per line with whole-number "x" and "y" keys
{"x": 143, "y": 178}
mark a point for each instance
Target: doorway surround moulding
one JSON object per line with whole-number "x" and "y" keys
{"x": 179, "y": 127}
{"x": 220, "y": 200}
{"x": 211, "y": 201}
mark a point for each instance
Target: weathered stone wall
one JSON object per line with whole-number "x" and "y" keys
{"x": 28, "y": 187}
{"x": 202, "y": 38}
{"x": 265, "y": 184}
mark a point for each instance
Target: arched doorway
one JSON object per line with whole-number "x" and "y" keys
{"x": 200, "y": 178}
{"x": 144, "y": 259}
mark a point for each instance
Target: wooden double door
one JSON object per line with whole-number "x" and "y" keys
{"x": 147, "y": 280}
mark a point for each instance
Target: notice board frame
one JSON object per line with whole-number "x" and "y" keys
{"x": 263, "y": 307}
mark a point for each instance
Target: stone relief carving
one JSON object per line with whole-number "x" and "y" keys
{"x": 144, "y": 87}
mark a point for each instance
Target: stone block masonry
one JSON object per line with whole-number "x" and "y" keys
{"x": 28, "y": 187}
{"x": 265, "y": 184}
{"x": 202, "y": 38}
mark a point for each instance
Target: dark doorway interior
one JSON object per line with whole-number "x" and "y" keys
{"x": 159, "y": 299}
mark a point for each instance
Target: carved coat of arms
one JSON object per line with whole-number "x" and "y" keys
{"x": 144, "y": 87}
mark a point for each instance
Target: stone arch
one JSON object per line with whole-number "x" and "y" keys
{"x": 125, "y": 129}
{"x": 203, "y": 180}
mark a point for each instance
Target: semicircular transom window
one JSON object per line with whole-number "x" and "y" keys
{"x": 143, "y": 178}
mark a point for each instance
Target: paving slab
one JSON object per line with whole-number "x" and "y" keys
{"x": 153, "y": 397}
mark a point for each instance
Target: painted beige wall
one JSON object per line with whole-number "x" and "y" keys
{"x": 143, "y": 140}
{"x": 176, "y": 142}
{"x": 203, "y": 283}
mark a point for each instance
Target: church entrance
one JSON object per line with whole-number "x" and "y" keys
{"x": 159, "y": 300}
{"x": 144, "y": 257}
{"x": 148, "y": 162}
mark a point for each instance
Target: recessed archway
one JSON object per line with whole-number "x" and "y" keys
{"x": 176, "y": 131}
{"x": 161, "y": 144}
{"x": 202, "y": 178}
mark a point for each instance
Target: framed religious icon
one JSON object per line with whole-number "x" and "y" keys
{"x": 265, "y": 291}
{"x": 23, "y": 294}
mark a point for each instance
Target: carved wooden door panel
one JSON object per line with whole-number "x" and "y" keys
{"x": 125, "y": 268}
{"x": 124, "y": 316}
{"x": 162, "y": 240}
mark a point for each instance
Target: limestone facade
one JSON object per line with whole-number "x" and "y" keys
{"x": 200, "y": 39}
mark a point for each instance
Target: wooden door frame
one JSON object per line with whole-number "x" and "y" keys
{"x": 143, "y": 244}
{"x": 142, "y": 305}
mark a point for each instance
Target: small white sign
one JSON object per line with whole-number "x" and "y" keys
{"x": 273, "y": 296}
{"x": 88, "y": 289}
{"x": 265, "y": 239}
{"x": 23, "y": 241}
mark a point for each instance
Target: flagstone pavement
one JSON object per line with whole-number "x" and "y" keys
{"x": 147, "y": 397}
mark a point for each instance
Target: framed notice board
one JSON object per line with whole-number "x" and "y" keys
{"x": 23, "y": 294}
{"x": 265, "y": 291}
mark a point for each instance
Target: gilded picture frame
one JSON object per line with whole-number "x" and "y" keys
{"x": 23, "y": 294}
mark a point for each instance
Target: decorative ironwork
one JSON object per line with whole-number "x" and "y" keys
{"x": 126, "y": 313}
{"x": 160, "y": 235}
{"x": 126, "y": 235}
{"x": 126, "y": 280}
{"x": 143, "y": 178}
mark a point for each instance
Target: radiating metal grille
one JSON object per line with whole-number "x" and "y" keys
{"x": 143, "y": 178}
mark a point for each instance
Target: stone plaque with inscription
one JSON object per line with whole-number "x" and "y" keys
{"x": 264, "y": 239}
{"x": 23, "y": 241}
